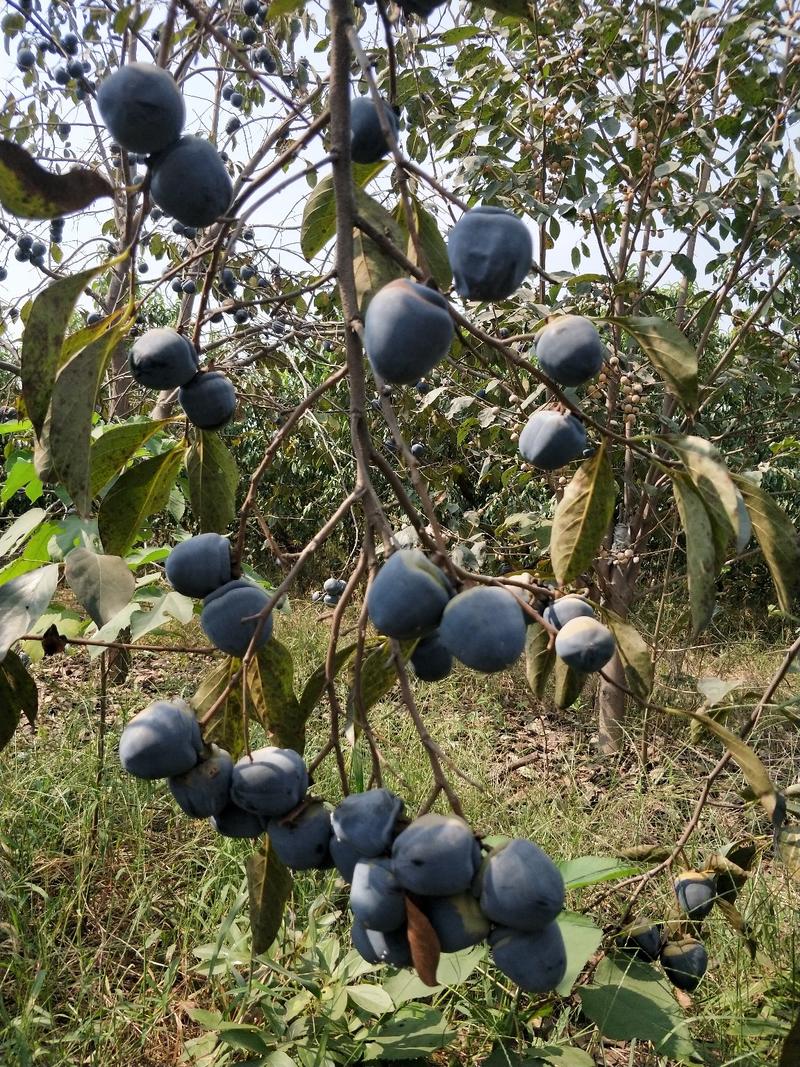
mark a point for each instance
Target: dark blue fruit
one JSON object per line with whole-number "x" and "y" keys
{"x": 376, "y": 897}
{"x": 205, "y": 789}
{"x": 303, "y": 844}
{"x": 365, "y": 821}
{"x": 234, "y": 821}
{"x": 199, "y": 565}
{"x": 190, "y": 182}
{"x": 25, "y": 58}
{"x": 344, "y": 857}
{"x": 458, "y": 921}
{"x": 585, "y": 644}
{"x": 142, "y": 107}
{"x": 209, "y": 400}
{"x": 408, "y": 595}
{"x": 567, "y": 608}
{"x": 431, "y": 660}
{"x": 436, "y": 856}
{"x": 570, "y": 350}
{"x": 368, "y": 143}
{"x": 537, "y": 962}
{"x": 161, "y": 741}
{"x": 642, "y": 940}
{"x": 377, "y": 947}
{"x": 551, "y": 439}
{"x": 696, "y": 893}
{"x": 484, "y": 628}
{"x": 407, "y": 331}
{"x": 270, "y": 782}
{"x": 685, "y": 962}
{"x": 520, "y": 886}
{"x": 162, "y": 359}
{"x": 490, "y": 252}
{"x": 226, "y": 618}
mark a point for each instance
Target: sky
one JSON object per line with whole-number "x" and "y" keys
{"x": 277, "y": 221}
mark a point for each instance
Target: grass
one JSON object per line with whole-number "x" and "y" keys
{"x": 108, "y": 892}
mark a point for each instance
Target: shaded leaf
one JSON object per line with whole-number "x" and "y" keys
{"x": 315, "y": 684}
{"x": 226, "y": 728}
{"x": 423, "y": 942}
{"x": 373, "y": 268}
{"x": 581, "y": 940}
{"x": 18, "y": 695}
{"x": 700, "y": 553}
{"x": 43, "y": 339}
{"x": 777, "y": 539}
{"x": 413, "y": 1032}
{"x": 102, "y": 584}
{"x": 71, "y": 409}
{"x": 539, "y": 658}
{"x": 713, "y": 481}
{"x": 319, "y": 213}
{"x": 170, "y": 606}
{"x": 270, "y": 689}
{"x": 377, "y": 677}
{"x": 668, "y": 350}
{"x": 788, "y": 848}
{"x": 213, "y": 476}
{"x": 630, "y": 1000}
{"x": 568, "y": 684}
{"x": 434, "y": 258}
{"x": 22, "y": 601}
{"x": 28, "y": 191}
{"x": 790, "y": 1053}
{"x": 634, "y": 653}
{"x": 142, "y": 491}
{"x": 582, "y": 517}
{"x": 116, "y": 447}
{"x": 269, "y": 884}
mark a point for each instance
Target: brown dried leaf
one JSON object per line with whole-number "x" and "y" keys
{"x": 423, "y": 942}
{"x": 29, "y": 191}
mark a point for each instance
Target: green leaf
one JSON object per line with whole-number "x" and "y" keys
{"x": 637, "y": 660}
{"x": 213, "y": 477}
{"x": 18, "y": 695}
{"x": 20, "y": 529}
{"x": 374, "y": 268}
{"x": 581, "y": 940}
{"x": 370, "y": 998}
{"x": 269, "y": 884}
{"x": 539, "y": 658}
{"x": 787, "y": 845}
{"x": 71, "y": 409}
{"x": 413, "y": 1032}
{"x": 319, "y": 213}
{"x": 684, "y": 265}
{"x": 713, "y": 482}
{"x": 700, "y": 552}
{"x": 516, "y": 9}
{"x": 378, "y": 676}
{"x": 568, "y": 684}
{"x": 270, "y": 687}
{"x": 582, "y": 517}
{"x": 43, "y": 339}
{"x": 28, "y": 191}
{"x": 630, "y": 1000}
{"x": 777, "y": 539}
{"x": 454, "y": 969}
{"x": 790, "y": 1053}
{"x": 591, "y": 870}
{"x": 172, "y": 605}
{"x": 434, "y": 249}
{"x": 315, "y": 685}
{"x": 142, "y": 491}
{"x": 22, "y": 601}
{"x": 283, "y": 7}
{"x": 116, "y": 447}
{"x": 668, "y": 350}
{"x": 103, "y": 585}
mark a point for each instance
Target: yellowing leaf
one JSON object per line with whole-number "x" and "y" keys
{"x": 582, "y": 517}
{"x": 28, "y": 191}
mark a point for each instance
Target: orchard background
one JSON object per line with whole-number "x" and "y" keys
{"x": 652, "y": 152}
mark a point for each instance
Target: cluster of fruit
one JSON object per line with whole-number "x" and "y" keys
{"x": 201, "y": 567}
{"x": 144, "y": 111}
{"x": 684, "y": 959}
{"x": 331, "y": 592}
{"x": 483, "y": 627}
{"x": 164, "y": 359}
{"x": 510, "y": 896}
{"x": 30, "y": 251}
